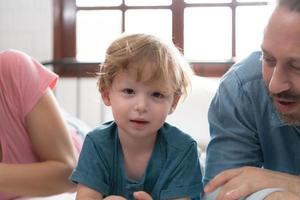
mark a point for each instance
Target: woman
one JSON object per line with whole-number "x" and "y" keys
{"x": 36, "y": 150}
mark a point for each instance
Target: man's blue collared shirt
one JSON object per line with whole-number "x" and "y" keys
{"x": 245, "y": 127}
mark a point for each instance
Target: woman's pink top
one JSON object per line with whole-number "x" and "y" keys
{"x": 23, "y": 80}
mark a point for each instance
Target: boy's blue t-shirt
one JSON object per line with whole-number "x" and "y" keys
{"x": 172, "y": 172}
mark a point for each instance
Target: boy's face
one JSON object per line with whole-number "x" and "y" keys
{"x": 139, "y": 109}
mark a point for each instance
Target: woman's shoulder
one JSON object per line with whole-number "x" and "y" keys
{"x": 11, "y": 60}
{"x": 12, "y": 53}
{"x": 13, "y": 57}
{"x": 16, "y": 63}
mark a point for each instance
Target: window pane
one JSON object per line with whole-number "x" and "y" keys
{"x": 98, "y": 2}
{"x": 146, "y": 21}
{"x": 147, "y": 2}
{"x": 95, "y": 33}
{"x": 207, "y": 33}
{"x": 207, "y": 1}
{"x": 249, "y": 28}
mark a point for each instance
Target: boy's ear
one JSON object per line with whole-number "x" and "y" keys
{"x": 105, "y": 97}
{"x": 174, "y": 104}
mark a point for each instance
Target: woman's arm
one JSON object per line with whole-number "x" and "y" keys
{"x": 52, "y": 144}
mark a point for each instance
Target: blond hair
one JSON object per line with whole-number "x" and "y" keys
{"x": 145, "y": 50}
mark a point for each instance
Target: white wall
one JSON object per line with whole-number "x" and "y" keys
{"x": 27, "y": 25}
{"x": 81, "y": 99}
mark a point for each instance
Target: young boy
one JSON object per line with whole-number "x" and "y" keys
{"x": 142, "y": 79}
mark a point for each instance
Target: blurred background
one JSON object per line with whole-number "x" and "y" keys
{"x": 71, "y": 36}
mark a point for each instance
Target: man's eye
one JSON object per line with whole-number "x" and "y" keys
{"x": 158, "y": 95}
{"x": 128, "y": 91}
{"x": 294, "y": 66}
{"x": 269, "y": 61}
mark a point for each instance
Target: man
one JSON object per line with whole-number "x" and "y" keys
{"x": 255, "y": 118}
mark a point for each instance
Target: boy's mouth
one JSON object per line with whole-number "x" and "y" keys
{"x": 139, "y": 121}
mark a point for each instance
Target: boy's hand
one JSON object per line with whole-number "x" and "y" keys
{"x": 141, "y": 195}
{"x": 114, "y": 197}
{"x": 137, "y": 195}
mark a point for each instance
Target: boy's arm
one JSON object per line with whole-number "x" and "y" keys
{"x": 141, "y": 195}
{"x": 86, "y": 193}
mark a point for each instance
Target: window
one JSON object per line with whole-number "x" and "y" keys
{"x": 212, "y": 34}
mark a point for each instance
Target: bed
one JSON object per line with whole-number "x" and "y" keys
{"x": 64, "y": 196}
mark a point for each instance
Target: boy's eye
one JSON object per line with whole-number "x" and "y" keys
{"x": 128, "y": 91}
{"x": 158, "y": 95}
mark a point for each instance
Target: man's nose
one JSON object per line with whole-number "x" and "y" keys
{"x": 280, "y": 80}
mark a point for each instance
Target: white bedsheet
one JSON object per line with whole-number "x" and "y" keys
{"x": 64, "y": 196}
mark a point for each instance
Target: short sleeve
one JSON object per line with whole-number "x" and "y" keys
{"x": 23, "y": 80}
{"x": 91, "y": 170}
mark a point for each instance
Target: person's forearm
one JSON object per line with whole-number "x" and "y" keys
{"x": 36, "y": 179}
{"x": 288, "y": 182}
{"x": 244, "y": 181}
{"x": 282, "y": 195}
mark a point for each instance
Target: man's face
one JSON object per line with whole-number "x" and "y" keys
{"x": 281, "y": 63}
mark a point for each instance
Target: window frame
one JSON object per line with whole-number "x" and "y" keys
{"x": 64, "y": 53}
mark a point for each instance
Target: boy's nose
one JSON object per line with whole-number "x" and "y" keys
{"x": 141, "y": 104}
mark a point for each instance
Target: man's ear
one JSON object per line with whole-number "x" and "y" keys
{"x": 105, "y": 97}
{"x": 174, "y": 104}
